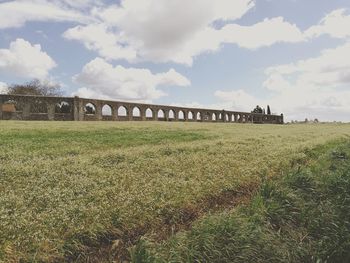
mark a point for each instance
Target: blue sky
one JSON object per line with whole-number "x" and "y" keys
{"x": 227, "y": 54}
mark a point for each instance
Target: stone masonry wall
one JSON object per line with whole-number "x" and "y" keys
{"x": 18, "y": 107}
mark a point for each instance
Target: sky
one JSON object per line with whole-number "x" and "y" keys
{"x": 293, "y": 55}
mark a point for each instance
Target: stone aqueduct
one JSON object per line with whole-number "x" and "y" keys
{"x": 20, "y": 107}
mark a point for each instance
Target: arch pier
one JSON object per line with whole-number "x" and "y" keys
{"x": 24, "y": 107}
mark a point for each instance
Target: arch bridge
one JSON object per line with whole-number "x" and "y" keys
{"x": 26, "y": 107}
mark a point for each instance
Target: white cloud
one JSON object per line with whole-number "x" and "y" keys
{"x": 238, "y": 100}
{"x": 336, "y": 24}
{"x": 17, "y": 13}
{"x": 276, "y": 82}
{"x": 164, "y": 31}
{"x": 174, "y": 14}
{"x": 3, "y": 88}
{"x": 265, "y": 33}
{"x": 311, "y": 88}
{"x": 97, "y": 37}
{"x": 330, "y": 69}
{"x": 25, "y": 60}
{"x": 79, "y": 4}
{"x": 101, "y": 80}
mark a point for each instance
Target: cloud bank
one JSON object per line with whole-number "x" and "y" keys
{"x": 102, "y": 80}
{"x": 164, "y": 31}
{"x": 25, "y": 60}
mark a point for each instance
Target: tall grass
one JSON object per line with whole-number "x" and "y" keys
{"x": 69, "y": 188}
{"x": 301, "y": 217}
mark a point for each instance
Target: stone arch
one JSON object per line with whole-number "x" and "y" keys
{"x": 11, "y": 106}
{"x": 234, "y": 117}
{"x": 220, "y": 117}
{"x": 227, "y": 117}
{"x": 63, "y": 107}
{"x": 90, "y": 108}
{"x": 248, "y": 118}
{"x": 190, "y": 115}
{"x": 213, "y": 117}
{"x": 207, "y": 116}
{"x": 171, "y": 114}
{"x": 149, "y": 113}
{"x": 107, "y": 110}
{"x": 9, "y": 109}
{"x": 181, "y": 115}
{"x": 122, "y": 111}
{"x": 161, "y": 114}
{"x": 136, "y": 112}
{"x": 38, "y": 106}
{"x": 199, "y": 116}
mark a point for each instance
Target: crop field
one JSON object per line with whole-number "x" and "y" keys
{"x": 88, "y": 191}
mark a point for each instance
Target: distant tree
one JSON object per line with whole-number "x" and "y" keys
{"x": 63, "y": 107}
{"x": 35, "y": 87}
{"x": 258, "y": 109}
{"x": 306, "y": 120}
{"x": 268, "y": 110}
{"x": 89, "y": 110}
{"x": 316, "y": 121}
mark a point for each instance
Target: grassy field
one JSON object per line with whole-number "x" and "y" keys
{"x": 74, "y": 190}
{"x": 300, "y": 217}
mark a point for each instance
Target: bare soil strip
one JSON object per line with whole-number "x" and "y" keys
{"x": 115, "y": 247}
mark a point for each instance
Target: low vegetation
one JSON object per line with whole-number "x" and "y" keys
{"x": 77, "y": 191}
{"x": 301, "y": 217}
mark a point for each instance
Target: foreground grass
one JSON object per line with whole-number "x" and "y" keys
{"x": 301, "y": 217}
{"x": 69, "y": 187}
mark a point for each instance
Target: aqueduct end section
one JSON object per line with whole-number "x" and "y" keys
{"x": 23, "y": 107}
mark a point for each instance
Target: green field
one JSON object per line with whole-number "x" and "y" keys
{"x": 82, "y": 191}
